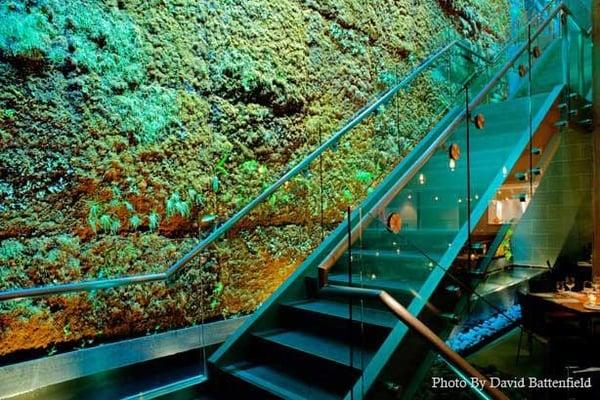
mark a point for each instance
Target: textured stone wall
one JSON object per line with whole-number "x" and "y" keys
{"x": 129, "y": 128}
{"x": 558, "y": 220}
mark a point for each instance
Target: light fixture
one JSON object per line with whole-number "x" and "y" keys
{"x": 421, "y": 179}
{"x": 452, "y": 164}
{"x": 522, "y": 70}
{"x": 537, "y": 52}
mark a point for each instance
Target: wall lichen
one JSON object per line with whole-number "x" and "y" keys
{"x": 129, "y": 129}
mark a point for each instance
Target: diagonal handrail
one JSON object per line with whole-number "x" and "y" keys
{"x": 357, "y": 118}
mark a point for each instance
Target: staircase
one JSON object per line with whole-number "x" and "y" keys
{"x": 323, "y": 334}
{"x": 306, "y": 342}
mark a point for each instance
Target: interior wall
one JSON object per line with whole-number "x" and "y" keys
{"x": 558, "y": 220}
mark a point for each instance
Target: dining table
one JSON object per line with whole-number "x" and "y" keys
{"x": 573, "y": 301}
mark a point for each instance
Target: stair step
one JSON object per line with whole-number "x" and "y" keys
{"x": 341, "y": 311}
{"x": 415, "y": 238}
{"x": 330, "y": 348}
{"x": 396, "y": 285}
{"x": 280, "y": 382}
{"x": 410, "y": 257}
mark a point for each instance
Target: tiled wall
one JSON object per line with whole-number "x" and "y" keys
{"x": 558, "y": 220}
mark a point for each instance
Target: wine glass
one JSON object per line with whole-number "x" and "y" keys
{"x": 587, "y": 287}
{"x": 560, "y": 287}
{"x": 570, "y": 283}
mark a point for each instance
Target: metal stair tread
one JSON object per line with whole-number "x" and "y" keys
{"x": 325, "y": 347}
{"x": 278, "y": 382}
{"x": 402, "y": 284}
{"x": 340, "y": 310}
{"x": 409, "y": 255}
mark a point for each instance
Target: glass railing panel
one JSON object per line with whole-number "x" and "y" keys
{"x": 580, "y": 57}
{"x": 575, "y": 57}
{"x": 496, "y": 144}
{"x": 401, "y": 243}
{"x": 587, "y": 67}
{"x": 580, "y": 11}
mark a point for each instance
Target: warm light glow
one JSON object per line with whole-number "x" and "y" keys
{"x": 421, "y": 179}
{"x": 452, "y": 164}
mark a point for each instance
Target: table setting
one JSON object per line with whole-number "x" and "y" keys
{"x": 588, "y": 299}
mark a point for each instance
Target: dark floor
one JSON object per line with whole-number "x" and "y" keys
{"x": 499, "y": 358}
{"x": 502, "y": 354}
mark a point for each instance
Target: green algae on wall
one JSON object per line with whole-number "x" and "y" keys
{"x": 129, "y": 128}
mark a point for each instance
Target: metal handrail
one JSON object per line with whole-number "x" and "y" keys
{"x": 357, "y": 118}
{"x": 422, "y": 330}
{"x": 342, "y": 246}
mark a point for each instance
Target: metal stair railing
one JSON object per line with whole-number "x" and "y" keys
{"x": 366, "y": 218}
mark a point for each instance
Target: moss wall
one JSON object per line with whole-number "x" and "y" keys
{"x": 129, "y": 128}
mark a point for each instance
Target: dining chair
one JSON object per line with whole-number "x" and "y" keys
{"x": 532, "y": 323}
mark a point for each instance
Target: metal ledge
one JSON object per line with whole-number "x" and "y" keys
{"x": 24, "y": 377}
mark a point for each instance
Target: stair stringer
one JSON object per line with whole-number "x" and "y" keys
{"x": 394, "y": 339}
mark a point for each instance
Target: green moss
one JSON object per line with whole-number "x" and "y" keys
{"x": 129, "y": 103}
{"x": 153, "y": 221}
{"x": 175, "y": 205}
{"x": 135, "y": 222}
{"x": 363, "y": 176}
{"x": 146, "y": 113}
{"x": 94, "y": 211}
{"x": 11, "y": 249}
{"x": 24, "y": 35}
{"x": 105, "y": 222}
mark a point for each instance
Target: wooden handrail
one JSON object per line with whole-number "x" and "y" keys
{"x": 423, "y": 331}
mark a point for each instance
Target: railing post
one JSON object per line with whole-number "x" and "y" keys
{"x": 596, "y": 136}
{"x": 468, "y": 139}
{"x": 350, "y": 300}
{"x": 530, "y": 110}
{"x": 581, "y": 64}
{"x": 564, "y": 25}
